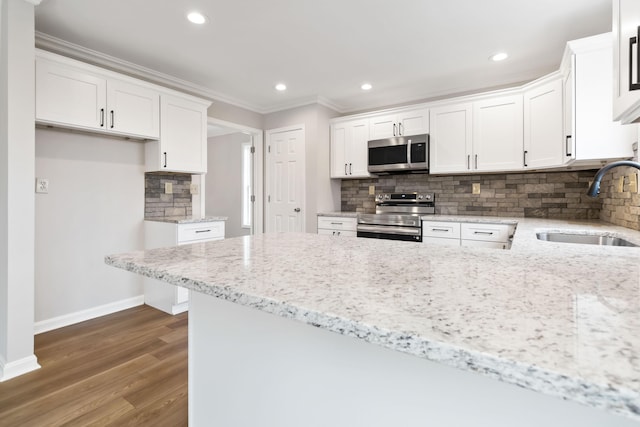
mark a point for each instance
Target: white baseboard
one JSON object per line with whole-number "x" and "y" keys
{"x": 91, "y": 313}
{"x": 17, "y": 368}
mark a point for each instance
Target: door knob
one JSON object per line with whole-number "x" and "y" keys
{"x": 296, "y": 210}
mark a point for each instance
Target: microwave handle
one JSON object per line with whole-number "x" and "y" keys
{"x": 409, "y": 159}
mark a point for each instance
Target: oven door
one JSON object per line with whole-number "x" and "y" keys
{"x": 390, "y": 232}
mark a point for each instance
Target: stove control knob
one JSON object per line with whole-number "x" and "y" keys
{"x": 387, "y": 197}
{"x": 427, "y": 196}
{"x": 380, "y": 196}
{"x": 420, "y": 196}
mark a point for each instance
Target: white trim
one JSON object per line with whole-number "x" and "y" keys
{"x": 34, "y": 2}
{"x": 17, "y": 368}
{"x": 91, "y": 313}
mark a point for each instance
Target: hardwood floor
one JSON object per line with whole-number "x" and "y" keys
{"x": 125, "y": 369}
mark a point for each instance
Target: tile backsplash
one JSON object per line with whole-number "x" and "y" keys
{"x": 559, "y": 195}
{"x": 621, "y": 207}
{"x": 158, "y": 204}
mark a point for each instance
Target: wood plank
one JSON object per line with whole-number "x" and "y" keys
{"x": 128, "y": 368}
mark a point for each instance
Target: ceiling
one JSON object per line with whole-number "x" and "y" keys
{"x": 323, "y": 50}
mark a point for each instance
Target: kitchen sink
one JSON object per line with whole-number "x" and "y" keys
{"x": 584, "y": 239}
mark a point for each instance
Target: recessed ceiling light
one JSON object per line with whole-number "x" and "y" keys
{"x": 281, "y": 86}
{"x": 499, "y": 57}
{"x": 197, "y": 18}
{"x": 366, "y": 86}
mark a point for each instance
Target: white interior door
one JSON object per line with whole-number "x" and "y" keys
{"x": 285, "y": 178}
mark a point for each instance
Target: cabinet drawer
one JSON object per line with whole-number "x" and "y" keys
{"x": 450, "y": 230}
{"x": 337, "y": 223}
{"x": 485, "y": 232}
{"x": 439, "y": 241}
{"x": 201, "y": 231}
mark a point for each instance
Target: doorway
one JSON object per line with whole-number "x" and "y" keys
{"x": 233, "y": 185}
{"x": 285, "y": 177}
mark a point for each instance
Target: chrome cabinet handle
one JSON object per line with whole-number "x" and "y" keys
{"x": 400, "y": 129}
{"x": 112, "y": 120}
{"x": 203, "y": 231}
{"x": 483, "y": 232}
{"x": 345, "y": 169}
{"x": 165, "y": 160}
{"x": 468, "y": 161}
{"x": 296, "y": 210}
{"x": 439, "y": 229}
{"x": 567, "y": 143}
{"x": 336, "y": 223}
{"x": 101, "y": 117}
{"x": 394, "y": 129}
{"x": 476, "y": 161}
{"x": 350, "y": 171}
{"x": 524, "y": 158}
{"x": 632, "y": 41}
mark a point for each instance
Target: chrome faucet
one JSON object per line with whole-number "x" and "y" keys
{"x": 594, "y": 189}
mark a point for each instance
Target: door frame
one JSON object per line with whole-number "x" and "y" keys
{"x": 257, "y": 139}
{"x": 269, "y": 172}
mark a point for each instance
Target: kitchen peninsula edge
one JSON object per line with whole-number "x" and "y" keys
{"x": 554, "y": 318}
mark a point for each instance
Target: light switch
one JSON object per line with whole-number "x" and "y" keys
{"x": 168, "y": 188}
{"x": 194, "y": 189}
{"x": 372, "y": 190}
{"x": 475, "y": 188}
{"x": 633, "y": 182}
{"x": 621, "y": 184}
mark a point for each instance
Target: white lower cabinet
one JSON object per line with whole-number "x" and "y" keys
{"x": 467, "y": 234}
{"x": 163, "y": 296}
{"x": 337, "y": 226}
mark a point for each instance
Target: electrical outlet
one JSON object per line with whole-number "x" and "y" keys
{"x": 621, "y": 184}
{"x": 372, "y": 190}
{"x": 475, "y": 188}
{"x": 42, "y": 185}
{"x": 194, "y": 189}
{"x": 633, "y": 182}
{"x": 168, "y": 188}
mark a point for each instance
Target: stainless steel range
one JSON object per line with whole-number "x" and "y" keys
{"x": 397, "y": 216}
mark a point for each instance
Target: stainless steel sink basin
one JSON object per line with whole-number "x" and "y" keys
{"x": 585, "y": 239}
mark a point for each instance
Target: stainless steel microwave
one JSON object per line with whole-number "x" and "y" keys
{"x": 399, "y": 154}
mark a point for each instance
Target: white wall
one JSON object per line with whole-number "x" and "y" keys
{"x": 95, "y": 206}
{"x": 16, "y": 187}
{"x": 223, "y": 182}
{"x": 231, "y": 113}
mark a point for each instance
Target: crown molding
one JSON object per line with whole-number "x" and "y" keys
{"x": 56, "y": 45}
{"x": 34, "y": 2}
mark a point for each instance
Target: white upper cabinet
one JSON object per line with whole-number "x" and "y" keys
{"x": 543, "y": 125}
{"x": 183, "y": 137}
{"x": 133, "y": 109}
{"x": 403, "y": 123}
{"x": 450, "y": 138}
{"x": 591, "y": 136}
{"x": 79, "y": 96}
{"x": 349, "y": 155}
{"x": 497, "y": 134}
{"x": 626, "y": 62}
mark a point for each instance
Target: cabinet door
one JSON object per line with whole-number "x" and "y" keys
{"x": 414, "y": 122}
{"x": 133, "y": 109}
{"x": 69, "y": 97}
{"x": 450, "y": 139}
{"x": 383, "y": 127}
{"x": 596, "y": 136}
{"x": 568, "y": 107}
{"x": 338, "y": 150}
{"x": 497, "y": 134}
{"x": 183, "y": 136}
{"x": 356, "y": 149}
{"x": 626, "y": 25}
{"x": 543, "y": 120}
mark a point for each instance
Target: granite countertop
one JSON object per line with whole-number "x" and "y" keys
{"x": 561, "y": 319}
{"x": 339, "y": 214}
{"x": 188, "y": 219}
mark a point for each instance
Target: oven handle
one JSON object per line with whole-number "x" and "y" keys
{"x": 407, "y": 231}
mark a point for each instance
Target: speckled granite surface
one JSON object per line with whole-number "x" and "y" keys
{"x": 188, "y": 219}
{"x": 339, "y": 214}
{"x": 561, "y": 319}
